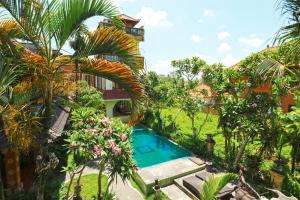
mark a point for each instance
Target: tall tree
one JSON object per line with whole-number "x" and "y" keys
{"x": 190, "y": 98}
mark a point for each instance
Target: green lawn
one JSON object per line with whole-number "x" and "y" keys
{"x": 89, "y": 186}
{"x": 210, "y": 127}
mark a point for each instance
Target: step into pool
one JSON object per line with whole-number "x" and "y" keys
{"x": 152, "y": 149}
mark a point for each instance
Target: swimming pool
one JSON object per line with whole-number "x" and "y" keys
{"x": 151, "y": 149}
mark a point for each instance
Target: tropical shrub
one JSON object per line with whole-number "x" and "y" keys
{"x": 94, "y": 136}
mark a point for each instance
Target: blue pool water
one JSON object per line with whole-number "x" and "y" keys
{"x": 151, "y": 149}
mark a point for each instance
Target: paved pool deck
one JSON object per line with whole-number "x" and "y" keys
{"x": 168, "y": 171}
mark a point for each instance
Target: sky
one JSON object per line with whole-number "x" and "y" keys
{"x": 215, "y": 30}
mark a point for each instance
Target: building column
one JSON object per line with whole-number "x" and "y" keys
{"x": 12, "y": 170}
{"x": 109, "y": 107}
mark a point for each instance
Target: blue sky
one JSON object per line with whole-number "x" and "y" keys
{"x": 215, "y": 30}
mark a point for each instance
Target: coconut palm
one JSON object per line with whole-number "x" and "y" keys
{"x": 288, "y": 37}
{"x": 214, "y": 185}
{"x": 48, "y": 25}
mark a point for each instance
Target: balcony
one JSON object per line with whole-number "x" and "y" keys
{"x": 111, "y": 58}
{"x": 140, "y": 60}
{"x": 137, "y": 33}
{"x": 115, "y": 94}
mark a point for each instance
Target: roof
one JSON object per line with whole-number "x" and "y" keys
{"x": 128, "y": 18}
{"x": 268, "y": 49}
{"x": 59, "y": 121}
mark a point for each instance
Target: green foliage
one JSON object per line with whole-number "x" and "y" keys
{"x": 214, "y": 185}
{"x": 186, "y": 81}
{"x": 8, "y": 75}
{"x": 292, "y": 136}
{"x": 291, "y": 186}
{"x": 159, "y": 90}
{"x": 87, "y": 96}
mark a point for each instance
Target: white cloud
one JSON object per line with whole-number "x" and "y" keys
{"x": 209, "y": 13}
{"x": 153, "y": 18}
{"x": 252, "y": 41}
{"x": 222, "y": 35}
{"x": 119, "y": 2}
{"x": 224, "y": 47}
{"x": 196, "y": 38}
{"x": 162, "y": 67}
{"x": 200, "y": 21}
{"x": 229, "y": 60}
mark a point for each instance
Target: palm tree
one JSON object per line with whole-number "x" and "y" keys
{"x": 288, "y": 37}
{"x": 214, "y": 185}
{"x": 50, "y": 24}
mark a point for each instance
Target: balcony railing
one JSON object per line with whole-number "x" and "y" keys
{"x": 115, "y": 94}
{"x": 140, "y": 60}
{"x": 111, "y": 58}
{"x": 138, "y": 33}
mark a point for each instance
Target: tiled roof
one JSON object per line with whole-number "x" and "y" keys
{"x": 268, "y": 49}
{"x": 126, "y": 17}
{"x": 59, "y": 121}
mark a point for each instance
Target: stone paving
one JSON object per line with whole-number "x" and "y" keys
{"x": 169, "y": 169}
{"x": 174, "y": 193}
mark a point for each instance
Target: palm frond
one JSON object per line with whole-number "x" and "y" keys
{"x": 291, "y": 31}
{"x": 112, "y": 41}
{"x": 69, "y": 14}
{"x": 270, "y": 69}
{"x": 8, "y": 75}
{"x": 215, "y": 184}
{"x": 32, "y": 18}
{"x": 121, "y": 74}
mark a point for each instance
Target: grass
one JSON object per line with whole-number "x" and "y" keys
{"x": 89, "y": 186}
{"x": 149, "y": 197}
{"x": 211, "y": 127}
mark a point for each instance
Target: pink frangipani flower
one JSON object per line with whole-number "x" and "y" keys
{"x": 97, "y": 150}
{"x": 105, "y": 121}
{"x": 91, "y": 131}
{"x": 107, "y": 132}
{"x": 116, "y": 150}
{"x": 123, "y": 137}
{"x": 111, "y": 143}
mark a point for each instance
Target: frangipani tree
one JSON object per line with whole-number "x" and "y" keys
{"x": 97, "y": 137}
{"x": 190, "y": 98}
